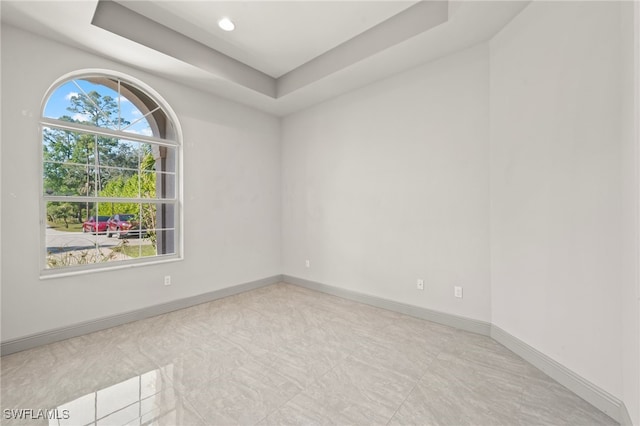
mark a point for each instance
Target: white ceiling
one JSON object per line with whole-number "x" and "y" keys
{"x": 274, "y": 37}
{"x": 283, "y": 55}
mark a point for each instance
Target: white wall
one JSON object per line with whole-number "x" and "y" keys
{"x": 390, "y": 183}
{"x": 509, "y": 168}
{"x": 231, "y": 198}
{"x": 556, "y": 185}
{"x": 630, "y": 12}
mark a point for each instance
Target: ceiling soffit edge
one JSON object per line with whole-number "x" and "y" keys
{"x": 115, "y": 18}
{"x": 419, "y": 18}
{"x": 411, "y": 22}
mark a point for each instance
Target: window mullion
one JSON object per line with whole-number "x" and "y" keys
{"x": 141, "y": 118}
{"x": 73, "y": 199}
{"x": 96, "y": 165}
{"x": 83, "y": 128}
{"x": 119, "y": 107}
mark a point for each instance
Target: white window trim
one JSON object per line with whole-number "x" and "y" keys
{"x": 176, "y": 143}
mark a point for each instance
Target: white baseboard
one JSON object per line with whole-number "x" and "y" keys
{"x": 475, "y": 326}
{"x": 63, "y": 333}
{"x": 625, "y": 417}
{"x": 591, "y": 393}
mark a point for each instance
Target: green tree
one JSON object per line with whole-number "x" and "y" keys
{"x": 97, "y": 110}
{"x": 72, "y": 161}
{"x": 140, "y": 185}
{"x": 60, "y": 211}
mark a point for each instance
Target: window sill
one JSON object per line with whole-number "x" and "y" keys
{"x": 48, "y": 274}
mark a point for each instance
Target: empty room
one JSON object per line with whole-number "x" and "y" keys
{"x": 320, "y": 212}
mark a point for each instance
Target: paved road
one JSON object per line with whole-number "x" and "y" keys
{"x": 58, "y": 241}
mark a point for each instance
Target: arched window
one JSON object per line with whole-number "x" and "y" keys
{"x": 110, "y": 151}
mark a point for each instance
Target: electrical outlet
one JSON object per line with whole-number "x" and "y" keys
{"x": 167, "y": 280}
{"x": 307, "y": 263}
{"x": 420, "y": 284}
{"x": 457, "y": 292}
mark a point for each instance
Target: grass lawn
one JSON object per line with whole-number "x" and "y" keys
{"x": 134, "y": 251}
{"x": 60, "y": 226}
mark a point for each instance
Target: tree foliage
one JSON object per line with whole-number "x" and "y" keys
{"x": 83, "y": 164}
{"x": 141, "y": 184}
{"x": 97, "y": 110}
{"x": 61, "y": 211}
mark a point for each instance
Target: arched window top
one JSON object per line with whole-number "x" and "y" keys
{"x": 111, "y": 103}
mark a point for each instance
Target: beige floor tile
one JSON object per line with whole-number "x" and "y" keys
{"x": 286, "y": 355}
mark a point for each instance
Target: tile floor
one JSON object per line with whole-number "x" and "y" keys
{"x": 285, "y": 355}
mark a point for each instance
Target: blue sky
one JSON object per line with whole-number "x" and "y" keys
{"x": 59, "y": 101}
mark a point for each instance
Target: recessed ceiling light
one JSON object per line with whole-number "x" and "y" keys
{"x": 226, "y": 24}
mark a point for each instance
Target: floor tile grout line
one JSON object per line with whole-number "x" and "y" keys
{"x": 316, "y": 380}
{"x": 404, "y": 400}
{"x": 304, "y": 389}
{"x": 299, "y": 337}
{"x": 426, "y": 370}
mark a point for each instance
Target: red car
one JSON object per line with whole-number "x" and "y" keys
{"x": 95, "y": 224}
{"x": 123, "y": 225}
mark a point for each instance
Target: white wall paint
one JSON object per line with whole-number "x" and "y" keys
{"x": 389, "y": 183}
{"x": 231, "y": 197}
{"x": 556, "y": 185}
{"x": 630, "y": 12}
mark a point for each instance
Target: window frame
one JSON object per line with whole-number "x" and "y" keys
{"x": 175, "y": 143}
